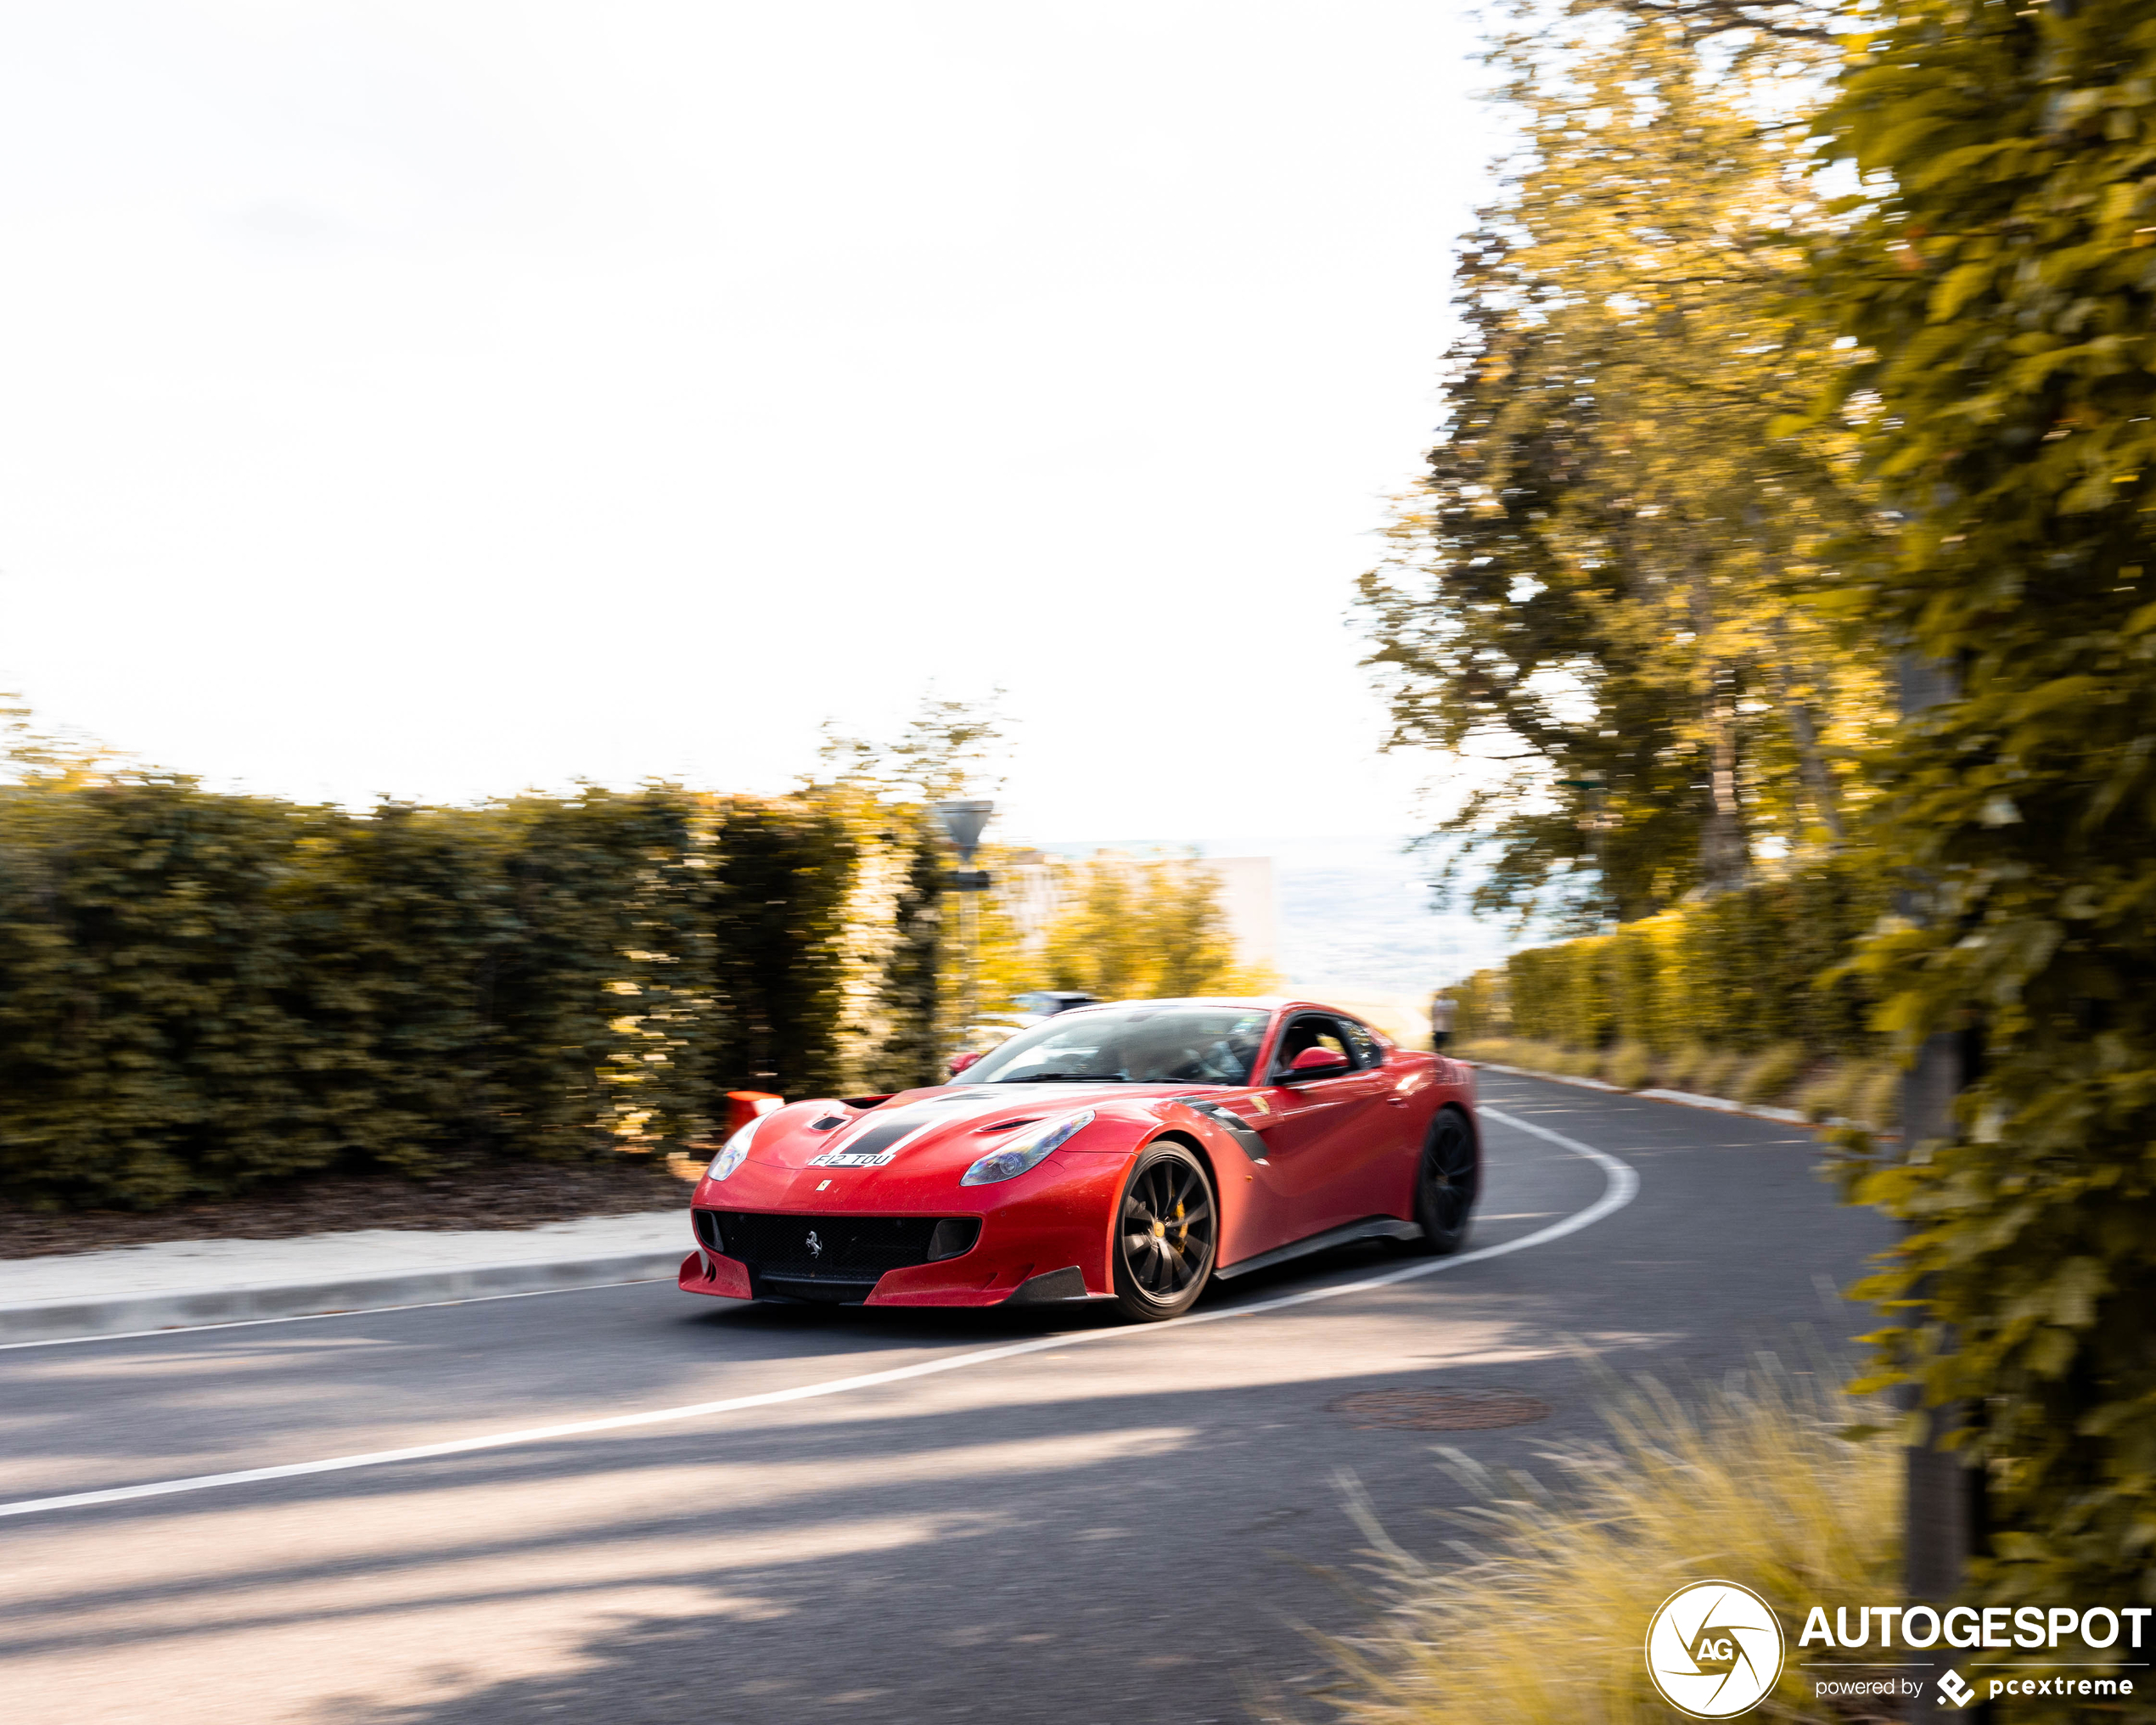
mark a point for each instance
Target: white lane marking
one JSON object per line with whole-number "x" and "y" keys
{"x": 1623, "y": 1185}
{"x": 316, "y": 1317}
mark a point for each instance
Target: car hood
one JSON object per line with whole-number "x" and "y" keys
{"x": 956, "y": 1124}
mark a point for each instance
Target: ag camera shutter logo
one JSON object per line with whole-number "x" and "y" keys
{"x": 1714, "y": 1649}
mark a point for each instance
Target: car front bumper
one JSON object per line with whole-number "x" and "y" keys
{"x": 1056, "y": 1221}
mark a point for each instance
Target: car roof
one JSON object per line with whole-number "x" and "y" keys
{"x": 1267, "y": 1003}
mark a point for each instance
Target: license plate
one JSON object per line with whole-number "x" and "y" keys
{"x": 851, "y": 1159}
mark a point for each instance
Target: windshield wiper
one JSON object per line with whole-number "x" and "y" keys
{"x": 1062, "y": 1078}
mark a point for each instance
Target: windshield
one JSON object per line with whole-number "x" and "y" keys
{"x": 1132, "y": 1045}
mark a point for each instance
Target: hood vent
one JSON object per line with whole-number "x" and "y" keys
{"x": 883, "y": 1134}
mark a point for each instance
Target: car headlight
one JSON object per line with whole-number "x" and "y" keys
{"x": 1027, "y": 1149}
{"x": 734, "y": 1152}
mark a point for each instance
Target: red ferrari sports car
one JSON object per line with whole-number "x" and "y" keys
{"x": 1130, "y": 1151}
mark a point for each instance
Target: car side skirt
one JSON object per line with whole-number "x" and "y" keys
{"x": 1372, "y": 1227}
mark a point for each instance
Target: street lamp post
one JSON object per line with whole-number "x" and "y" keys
{"x": 963, "y": 822}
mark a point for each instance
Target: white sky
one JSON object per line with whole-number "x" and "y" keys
{"x": 442, "y": 398}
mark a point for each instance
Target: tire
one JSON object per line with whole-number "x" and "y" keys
{"x": 1446, "y": 1183}
{"x": 1167, "y": 1234}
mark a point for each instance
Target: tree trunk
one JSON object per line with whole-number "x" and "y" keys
{"x": 1818, "y": 779}
{"x": 1811, "y": 764}
{"x": 1725, "y": 856}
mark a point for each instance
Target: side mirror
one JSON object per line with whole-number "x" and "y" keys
{"x": 960, "y": 1062}
{"x": 1318, "y": 1063}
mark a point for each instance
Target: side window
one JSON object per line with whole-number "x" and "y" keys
{"x": 1362, "y": 1045}
{"x": 1311, "y": 1031}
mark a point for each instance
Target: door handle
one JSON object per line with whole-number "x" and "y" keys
{"x": 1399, "y": 1101}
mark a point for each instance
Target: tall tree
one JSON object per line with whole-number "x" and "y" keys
{"x": 1598, "y": 594}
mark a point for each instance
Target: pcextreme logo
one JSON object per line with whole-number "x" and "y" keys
{"x": 1714, "y": 1649}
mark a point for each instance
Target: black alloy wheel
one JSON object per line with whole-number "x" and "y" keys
{"x": 1444, "y": 1185}
{"x": 1167, "y": 1230}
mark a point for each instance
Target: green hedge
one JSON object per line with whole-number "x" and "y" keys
{"x": 1741, "y": 971}
{"x": 198, "y": 992}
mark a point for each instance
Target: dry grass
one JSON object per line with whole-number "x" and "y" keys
{"x": 1630, "y": 1066}
{"x": 1879, "y": 1096}
{"x": 1767, "y": 1077}
{"x": 1540, "y": 1620}
{"x": 1868, "y": 1092}
{"x": 1532, "y": 1057}
{"x": 1717, "y": 1073}
{"x": 1677, "y": 1070}
{"x": 1828, "y": 1094}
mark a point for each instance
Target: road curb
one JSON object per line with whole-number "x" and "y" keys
{"x": 1683, "y": 1098}
{"x": 67, "y": 1320}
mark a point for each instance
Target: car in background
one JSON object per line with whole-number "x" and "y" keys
{"x": 1046, "y": 1003}
{"x": 1133, "y": 1152}
{"x": 992, "y": 1029}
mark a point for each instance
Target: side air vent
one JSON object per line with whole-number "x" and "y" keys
{"x": 953, "y": 1238}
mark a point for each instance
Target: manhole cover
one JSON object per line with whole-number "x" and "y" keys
{"x": 1442, "y": 1410}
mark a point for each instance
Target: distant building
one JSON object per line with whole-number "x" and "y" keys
{"x": 1253, "y": 910}
{"x": 1026, "y": 886}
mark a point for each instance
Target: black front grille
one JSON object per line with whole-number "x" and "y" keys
{"x": 849, "y": 1249}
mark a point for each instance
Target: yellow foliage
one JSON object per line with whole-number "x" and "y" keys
{"x": 1120, "y": 928}
{"x": 1140, "y": 930}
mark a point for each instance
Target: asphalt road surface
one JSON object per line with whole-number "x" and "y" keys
{"x": 1134, "y": 1525}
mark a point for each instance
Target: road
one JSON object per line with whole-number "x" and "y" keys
{"x": 1137, "y": 1524}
